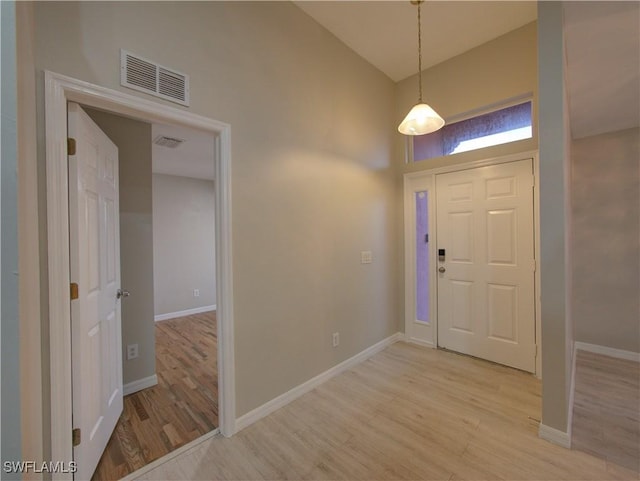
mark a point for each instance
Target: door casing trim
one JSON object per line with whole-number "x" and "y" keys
{"x": 58, "y": 90}
{"x": 425, "y": 180}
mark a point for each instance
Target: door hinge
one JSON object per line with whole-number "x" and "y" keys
{"x": 426, "y": 238}
{"x": 74, "y": 291}
{"x": 71, "y": 146}
{"x": 76, "y": 437}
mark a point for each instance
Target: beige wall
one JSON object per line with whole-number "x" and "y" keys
{"x": 11, "y": 433}
{"x": 312, "y": 141}
{"x": 554, "y": 134}
{"x": 133, "y": 140}
{"x": 489, "y": 74}
{"x": 183, "y": 243}
{"x": 31, "y": 352}
{"x": 606, "y": 239}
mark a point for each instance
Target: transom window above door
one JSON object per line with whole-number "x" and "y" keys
{"x": 507, "y": 124}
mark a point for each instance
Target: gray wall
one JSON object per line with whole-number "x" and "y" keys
{"x": 33, "y": 399}
{"x": 554, "y": 167}
{"x": 183, "y": 243}
{"x": 133, "y": 139}
{"x": 606, "y": 239}
{"x": 11, "y": 438}
{"x": 312, "y": 129}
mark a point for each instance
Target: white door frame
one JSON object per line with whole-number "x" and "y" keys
{"x": 425, "y": 180}
{"x": 58, "y": 91}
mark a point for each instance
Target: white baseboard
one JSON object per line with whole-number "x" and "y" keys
{"x": 139, "y": 385}
{"x": 284, "y": 399}
{"x": 554, "y": 436}
{"x": 572, "y": 392}
{"x": 608, "y": 351}
{"x": 187, "y": 312}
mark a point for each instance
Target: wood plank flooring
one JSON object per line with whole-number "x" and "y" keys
{"x": 606, "y": 409}
{"x": 406, "y": 413}
{"x": 180, "y": 408}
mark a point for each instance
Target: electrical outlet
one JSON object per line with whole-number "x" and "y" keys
{"x": 132, "y": 351}
{"x": 335, "y": 339}
{"x": 366, "y": 257}
{"x": 196, "y": 293}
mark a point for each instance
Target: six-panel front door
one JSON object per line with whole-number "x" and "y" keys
{"x": 94, "y": 239}
{"x": 486, "y": 275}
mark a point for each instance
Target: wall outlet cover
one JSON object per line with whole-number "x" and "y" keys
{"x": 132, "y": 351}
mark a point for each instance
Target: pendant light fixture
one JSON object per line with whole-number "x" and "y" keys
{"x": 421, "y": 119}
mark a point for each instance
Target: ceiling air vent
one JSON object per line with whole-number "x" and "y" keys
{"x": 146, "y": 76}
{"x": 165, "y": 141}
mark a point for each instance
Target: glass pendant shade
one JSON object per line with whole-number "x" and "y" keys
{"x": 420, "y": 120}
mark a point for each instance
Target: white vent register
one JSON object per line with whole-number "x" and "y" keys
{"x": 146, "y": 76}
{"x": 170, "y": 142}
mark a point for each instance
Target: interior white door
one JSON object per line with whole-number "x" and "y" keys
{"x": 94, "y": 233}
{"x": 486, "y": 276}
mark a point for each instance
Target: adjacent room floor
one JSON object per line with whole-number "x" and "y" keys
{"x": 406, "y": 413}
{"x": 180, "y": 408}
{"x": 606, "y": 409}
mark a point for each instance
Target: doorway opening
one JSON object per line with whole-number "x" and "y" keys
{"x": 169, "y": 332}
{"x": 58, "y": 91}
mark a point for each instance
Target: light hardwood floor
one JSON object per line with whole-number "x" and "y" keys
{"x": 180, "y": 408}
{"x": 406, "y": 413}
{"x": 606, "y": 410}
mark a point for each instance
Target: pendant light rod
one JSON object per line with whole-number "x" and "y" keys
{"x": 421, "y": 119}
{"x": 418, "y": 2}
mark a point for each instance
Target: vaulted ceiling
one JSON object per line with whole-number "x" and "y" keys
{"x": 602, "y": 47}
{"x": 385, "y": 32}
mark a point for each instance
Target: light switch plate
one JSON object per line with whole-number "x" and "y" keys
{"x": 366, "y": 257}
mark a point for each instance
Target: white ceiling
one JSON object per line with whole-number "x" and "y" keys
{"x": 603, "y": 66}
{"x": 192, "y": 158}
{"x": 385, "y": 33}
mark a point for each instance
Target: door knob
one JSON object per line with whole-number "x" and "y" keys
{"x": 441, "y": 269}
{"x": 121, "y": 293}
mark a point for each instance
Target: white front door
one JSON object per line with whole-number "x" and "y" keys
{"x": 486, "y": 273}
{"x": 94, "y": 236}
